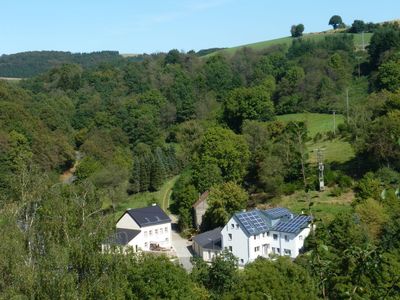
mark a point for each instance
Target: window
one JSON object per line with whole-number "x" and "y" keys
{"x": 275, "y": 236}
{"x": 241, "y": 261}
{"x": 230, "y": 237}
{"x": 287, "y": 252}
{"x": 156, "y": 231}
{"x": 232, "y": 226}
{"x": 230, "y": 248}
{"x": 145, "y": 244}
{"x": 300, "y": 237}
{"x": 254, "y": 236}
{"x": 256, "y": 249}
{"x": 145, "y": 234}
{"x": 237, "y": 226}
{"x": 263, "y": 234}
{"x": 150, "y": 232}
{"x": 273, "y": 250}
{"x": 161, "y": 231}
{"x": 166, "y": 229}
{"x": 278, "y": 250}
{"x": 267, "y": 233}
{"x": 286, "y": 238}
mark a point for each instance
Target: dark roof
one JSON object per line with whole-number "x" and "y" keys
{"x": 122, "y": 236}
{"x": 293, "y": 225}
{"x": 257, "y": 221}
{"x": 209, "y": 239}
{"x": 253, "y": 222}
{"x": 203, "y": 197}
{"x": 147, "y": 216}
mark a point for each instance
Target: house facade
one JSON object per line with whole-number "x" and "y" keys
{"x": 142, "y": 229}
{"x": 207, "y": 244}
{"x": 199, "y": 209}
{"x": 255, "y": 233}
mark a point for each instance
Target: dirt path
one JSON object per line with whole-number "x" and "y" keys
{"x": 167, "y": 193}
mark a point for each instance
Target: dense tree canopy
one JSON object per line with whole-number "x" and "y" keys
{"x": 130, "y": 127}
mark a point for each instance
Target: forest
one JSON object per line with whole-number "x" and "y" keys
{"x": 32, "y": 63}
{"x": 213, "y": 122}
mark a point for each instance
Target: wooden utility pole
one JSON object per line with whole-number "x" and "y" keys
{"x": 347, "y": 104}
{"x": 334, "y": 123}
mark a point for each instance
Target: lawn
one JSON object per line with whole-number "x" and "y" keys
{"x": 336, "y": 150}
{"x": 324, "y": 207}
{"x": 161, "y": 197}
{"x": 321, "y": 123}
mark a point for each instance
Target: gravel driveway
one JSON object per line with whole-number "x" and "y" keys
{"x": 181, "y": 246}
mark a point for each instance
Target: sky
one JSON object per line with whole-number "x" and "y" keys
{"x": 148, "y": 26}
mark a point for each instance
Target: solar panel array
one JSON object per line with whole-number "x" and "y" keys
{"x": 293, "y": 225}
{"x": 277, "y": 212}
{"x": 253, "y": 222}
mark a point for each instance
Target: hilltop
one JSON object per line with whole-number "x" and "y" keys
{"x": 287, "y": 41}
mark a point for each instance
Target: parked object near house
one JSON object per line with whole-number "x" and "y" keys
{"x": 142, "y": 229}
{"x": 208, "y": 244}
{"x": 199, "y": 209}
{"x": 255, "y": 233}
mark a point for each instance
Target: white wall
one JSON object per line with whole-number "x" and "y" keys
{"x": 239, "y": 242}
{"x": 244, "y": 248}
{"x": 299, "y": 241}
{"x": 160, "y": 234}
{"x": 127, "y": 222}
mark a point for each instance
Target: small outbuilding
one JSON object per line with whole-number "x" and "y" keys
{"x": 199, "y": 209}
{"x": 208, "y": 244}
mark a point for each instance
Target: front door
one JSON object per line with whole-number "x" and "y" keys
{"x": 265, "y": 249}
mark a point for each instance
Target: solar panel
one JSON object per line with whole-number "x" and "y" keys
{"x": 253, "y": 222}
{"x": 293, "y": 225}
{"x": 277, "y": 212}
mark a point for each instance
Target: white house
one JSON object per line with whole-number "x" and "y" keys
{"x": 263, "y": 232}
{"x": 142, "y": 229}
{"x": 207, "y": 244}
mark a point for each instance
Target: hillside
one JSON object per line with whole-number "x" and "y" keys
{"x": 32, "y": 63}
{"x": 335, "y": 150}
{"x": 288, "y": 40}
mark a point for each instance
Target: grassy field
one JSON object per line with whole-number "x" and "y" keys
{"x": 288, "y": 40}
{"x": 160, "y": 197}
{"x": 324, "y": 206}
{"x": 316, "y": 123}
{"x": 335, "y": 150}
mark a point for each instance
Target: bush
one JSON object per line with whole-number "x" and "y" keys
{"x": 336, "y": 191}
{"x": 344, "y": 181}
{"x": 317, "y": 137}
